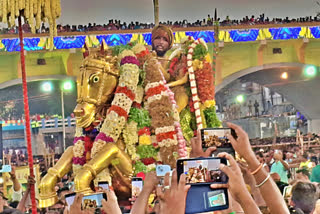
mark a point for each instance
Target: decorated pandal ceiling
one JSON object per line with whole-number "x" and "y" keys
{"x": 249, "y": 35}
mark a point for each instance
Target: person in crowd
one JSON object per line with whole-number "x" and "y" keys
{"x": 162, "y": 40}
{"x": 277, "y": 179}
{"x": 303, "y": 174}
{"x": 260, "y": 157}
{"x": 5, "y": 208}
{"x": 280, "y": 166}
{"x": 242, "y": 146}
{"x": 256, "y": 108}
{"x": 315, "y": 173}
{"x": 23, "y": 205}
{"x": 150, "y": 184}
{"x": 16, "y": 186}
{"x": 304, "y": 197}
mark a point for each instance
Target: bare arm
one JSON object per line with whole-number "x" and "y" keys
{"x": 16, "y": 184}
{"x": 22, "y": 204}
{"x": 285, "y": 164}
{"x": 139, "y": 207}
{"x": 269, "y": 189}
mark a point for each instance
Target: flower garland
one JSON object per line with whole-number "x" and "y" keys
{"x": 34, "y": 11}
{"x": 130, "y": 138}
{"x": 118, "y": 113}
{"x": 193, "y": 83}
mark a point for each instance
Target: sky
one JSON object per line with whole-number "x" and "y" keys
{"x": 100, "y": 11}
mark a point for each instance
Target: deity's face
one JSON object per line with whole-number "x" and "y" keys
{"x": 94, "y": 88}
{"x": 161, "y": 44}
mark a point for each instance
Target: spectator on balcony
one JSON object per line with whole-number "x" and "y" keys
{"x": 256, "y": 108}
{"x": 209, "y": 20}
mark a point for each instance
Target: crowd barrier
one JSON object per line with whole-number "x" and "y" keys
{"x": 10, "y": 125}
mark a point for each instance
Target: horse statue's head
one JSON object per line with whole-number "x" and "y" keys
{"x": 96, "y": 82}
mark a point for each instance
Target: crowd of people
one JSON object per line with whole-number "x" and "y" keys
{"x": 257, "y": 182}
{"x": 114, "y": 24}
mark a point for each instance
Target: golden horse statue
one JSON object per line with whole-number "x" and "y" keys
{"x": 97, "y": 83}
{"x": 112, "y": 85}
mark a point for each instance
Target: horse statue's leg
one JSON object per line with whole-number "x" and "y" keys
{"x": 48, "y": 195}
{"x": 109, "y": 154}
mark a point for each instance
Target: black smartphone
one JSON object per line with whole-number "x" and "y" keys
{"x": 93, "y": 200}
{"x": 70, "y": 199}
{"x": 218, "y": 137}
{"x": 137, "y": 184}
{"x": 202, "y": 170}
{"x": 103, "y": 185}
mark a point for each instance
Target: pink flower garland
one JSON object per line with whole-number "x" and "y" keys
{"x": 102, "y": 136}
{"x": 129, "y": 60}
{"x": 78, "y": 160}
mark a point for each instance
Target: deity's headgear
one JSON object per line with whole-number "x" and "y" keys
{"x": 163, "y": 31}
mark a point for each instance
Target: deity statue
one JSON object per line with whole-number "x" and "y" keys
{"x": 130, "y": 105}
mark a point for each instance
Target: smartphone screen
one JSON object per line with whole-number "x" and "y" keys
{"x": 103, "y": 185}
{"x": 70, "y": 199}
{"x": 204, "y": 170}
{"x": 137, "y": 185}
{"x": 93, "y": 201}
{"x": 218, "y": 137}
{"x": 216, "y": 198}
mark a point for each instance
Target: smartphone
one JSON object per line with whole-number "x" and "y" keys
{"x": 202, "y": 170}
{"x": 218, "y": 137}
{"x": 201, "y": 198}
{"x": 137, "y": 184}
{"x": 93, "y": 200}
{"x": 103, "y": 185}
{"x": 162, "y": 170}
{"x": 70, "y": 199}
{"x": 6, "y": 168}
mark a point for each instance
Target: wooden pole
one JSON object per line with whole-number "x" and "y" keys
{"x": 156, "y": 12}
{"x": 27, "y": 116}
{"x": 215, "y": 47}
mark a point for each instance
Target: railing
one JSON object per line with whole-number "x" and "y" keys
{"x": 11, "y": 125}
{"x": 233, "y": 33}
{"x": 55, "y": 123}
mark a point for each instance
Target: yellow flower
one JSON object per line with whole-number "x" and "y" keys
{"x": 196, "y": 64}
{"x": 209, "y": 103}
{"x": 208, "y": 58}
{"x": 144, "y": 140}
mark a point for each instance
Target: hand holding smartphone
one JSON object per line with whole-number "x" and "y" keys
{"x": 88, "y": 201}
{"x": 103, "y": 185}
{"x": 218, "y": 137}
{"x": 93, "y": 200}
{"x": 202, "y": 170}
{"x": 137, "y": 184}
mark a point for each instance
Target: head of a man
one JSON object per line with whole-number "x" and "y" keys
{"x": 303, "y": 174}
{"x": 304, "y": 196}
{"x": 162, "y": 39}
{"x": 260, "y": 157}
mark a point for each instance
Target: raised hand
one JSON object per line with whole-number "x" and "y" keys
{"x": 173, "y": 198}
{"x": 111, "y": 206}
{"x": 197, "y": 150}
